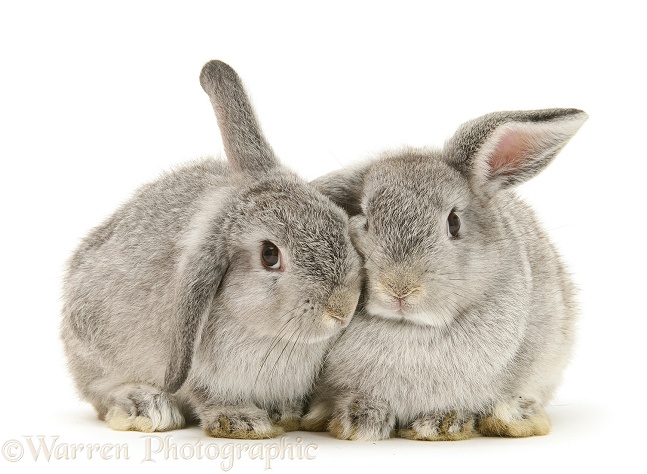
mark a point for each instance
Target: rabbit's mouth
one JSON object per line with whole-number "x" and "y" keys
{"x": 392, "y": 308}
{"x": 399, "y": 300}
{"x": 335, "y": 321}
{"x": 406, "y": 311}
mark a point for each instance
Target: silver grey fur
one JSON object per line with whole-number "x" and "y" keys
{"x": 168, "y": 311}
{"x": 452, "y": 332}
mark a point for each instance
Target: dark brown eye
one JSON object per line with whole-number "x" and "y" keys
{"x": 270, "y": 256}
{"x": 453, "y": 224}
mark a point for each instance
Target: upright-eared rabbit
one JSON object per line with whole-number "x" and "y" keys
{"x": 467, "y": 321}
{"x": 213, "y": 292}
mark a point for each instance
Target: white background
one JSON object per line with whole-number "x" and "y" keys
{"x": 97, "y": 98}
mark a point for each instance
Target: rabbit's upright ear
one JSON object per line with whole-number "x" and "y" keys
{"x": 246, "y": 148}
{"x": 200, "y": 272}
{"x": 344, "y": 187}
{"x": 504, "y": 149}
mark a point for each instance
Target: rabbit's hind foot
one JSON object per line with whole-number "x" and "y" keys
{"x": 141, "y": 407}
{"x": 519, "y": 418}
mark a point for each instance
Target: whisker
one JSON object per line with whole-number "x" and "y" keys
{"x": 296, "y": 342}
{"x": 287, "y": 343}
{"x": 279, "y": 335}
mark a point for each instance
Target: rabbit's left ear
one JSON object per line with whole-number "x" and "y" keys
{"x": 245, "y": 145}
{"x": 200, "y": 273}
{"x": 344, "y": 187}
{"x": 503, "y": 149}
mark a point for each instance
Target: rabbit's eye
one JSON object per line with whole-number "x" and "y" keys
{"x": 453, "y": 224}
{"x": 270, "y": 256}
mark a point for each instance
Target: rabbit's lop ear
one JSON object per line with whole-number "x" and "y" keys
{"x": 344, "y": 187}
{"x": 200, "y": 273}
{"x": 504, "y": 149}
{"x": 245, "y": 145}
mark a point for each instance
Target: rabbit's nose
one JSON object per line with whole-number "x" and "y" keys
{"x": 401, "y": 297}
{"x": 401, "y": 292}
{"x": 341, "y": 304}
{"x": 332, "y": 313}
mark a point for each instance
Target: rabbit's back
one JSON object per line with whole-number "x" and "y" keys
{"x": 551, "y": 298}
{"x": 156, "y": 213}
{"x": 117, "y": 298}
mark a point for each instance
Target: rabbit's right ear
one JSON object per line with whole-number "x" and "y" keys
{"x": 245, "y": 145}
{"x": 200, "y": 273}
{"x": 344, "y": 187}
{"x": 503, "y": 149}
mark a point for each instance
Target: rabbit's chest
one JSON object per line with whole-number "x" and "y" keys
{"x": 417, "y": 369}
{"x": 263, "y": 370}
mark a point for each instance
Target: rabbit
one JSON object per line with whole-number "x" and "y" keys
{"x": 212, "y": 294}
{"x": 467, "y": 319}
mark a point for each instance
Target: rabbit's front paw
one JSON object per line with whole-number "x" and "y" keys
{"x": 519, "y": 418}
{"x": 363, "y": 420}
{"x": 450, "y": 426}
{"x": 288, "y": 418}
{"x": 141, "y": 407}
{"x": 318, "y": 417}
{"x": 238, "y": 422}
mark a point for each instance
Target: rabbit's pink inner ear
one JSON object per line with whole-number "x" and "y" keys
{"x": 514, "y": 153}
{"x": 510, "y": 152}
{"x": 512, "y": 147}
